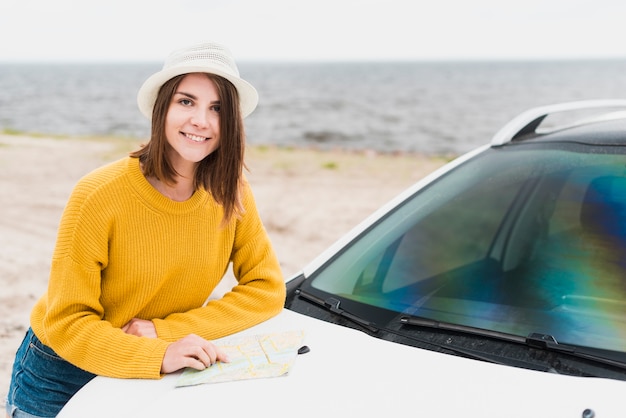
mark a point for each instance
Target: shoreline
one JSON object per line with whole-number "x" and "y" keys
{"x": 11, "y": 133}
{"x": 307, "y": 198}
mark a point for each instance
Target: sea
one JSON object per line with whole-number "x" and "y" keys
{"x": 427, "y": 107}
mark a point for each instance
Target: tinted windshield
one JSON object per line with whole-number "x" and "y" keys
{"x": 521, "y": 239}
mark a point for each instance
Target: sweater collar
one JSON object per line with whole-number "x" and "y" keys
{"x": 155, "y": 199}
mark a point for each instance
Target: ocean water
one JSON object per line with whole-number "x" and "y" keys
{"x": 426, "y": 107}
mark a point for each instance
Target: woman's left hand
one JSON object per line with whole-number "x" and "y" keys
{"x": 140, "y": 328}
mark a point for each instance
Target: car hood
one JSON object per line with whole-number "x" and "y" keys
{"x": 349, "y": 372}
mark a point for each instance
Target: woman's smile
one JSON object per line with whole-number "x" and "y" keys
{"x": 195, "y": 138}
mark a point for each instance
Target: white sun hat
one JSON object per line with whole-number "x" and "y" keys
{"x": 205, "y": 57}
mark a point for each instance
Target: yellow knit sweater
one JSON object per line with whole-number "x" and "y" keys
{"x": 125, "y": 251}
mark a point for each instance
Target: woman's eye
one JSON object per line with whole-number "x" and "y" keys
{"x": 216, "y": 108}
{"x": 185, "y": 102}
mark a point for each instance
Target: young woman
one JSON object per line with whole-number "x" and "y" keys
{"x": 144, "y": 240}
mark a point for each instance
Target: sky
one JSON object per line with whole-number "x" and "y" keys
{"x": 313, "y": 30}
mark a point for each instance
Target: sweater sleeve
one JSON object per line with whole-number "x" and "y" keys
{"x": 258, "y": 296}
{"x": 70, "y": 318}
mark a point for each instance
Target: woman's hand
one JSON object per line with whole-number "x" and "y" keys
{"x": 140, "y": 328}
{"x": 192, "y": 351}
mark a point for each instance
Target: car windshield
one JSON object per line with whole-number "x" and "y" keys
{"x": 522, "y": 239}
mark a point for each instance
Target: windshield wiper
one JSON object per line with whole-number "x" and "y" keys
{"x": 468, "y": 352}
{"x": 548, "y": 342}
{"x": 449, "y": 326}
{"x": 535, "y": 340}
{"x": 333, "y": 305}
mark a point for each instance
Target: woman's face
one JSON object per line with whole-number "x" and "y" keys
{"x": 192, "y": 124}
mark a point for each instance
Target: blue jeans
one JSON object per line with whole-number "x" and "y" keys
{"x": 41, "y": 382}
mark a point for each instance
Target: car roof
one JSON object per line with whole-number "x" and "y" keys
{"x": 597, "y": 133}
{"x": 606, "y": 125}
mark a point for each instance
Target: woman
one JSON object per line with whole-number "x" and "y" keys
{"x": 144, "y": 241}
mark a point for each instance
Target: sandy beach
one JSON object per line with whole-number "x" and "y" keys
{"x": 307, "y": 198}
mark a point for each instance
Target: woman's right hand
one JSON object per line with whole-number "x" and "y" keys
{"x": 192, "y": 351}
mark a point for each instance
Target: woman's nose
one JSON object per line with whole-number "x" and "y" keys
{"x": 200, "y": 118}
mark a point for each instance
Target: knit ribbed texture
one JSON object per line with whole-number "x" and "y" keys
{"x": 124, "y": 250}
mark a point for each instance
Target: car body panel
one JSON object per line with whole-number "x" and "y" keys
{"x": 336, "y": 378}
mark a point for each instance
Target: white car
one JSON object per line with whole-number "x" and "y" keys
{"x": 495, "y": 287}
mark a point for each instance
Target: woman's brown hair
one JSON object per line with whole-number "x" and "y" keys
{"x": 221, "y": 171}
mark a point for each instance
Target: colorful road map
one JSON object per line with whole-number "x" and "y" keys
{"x": 251, "y": 357}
